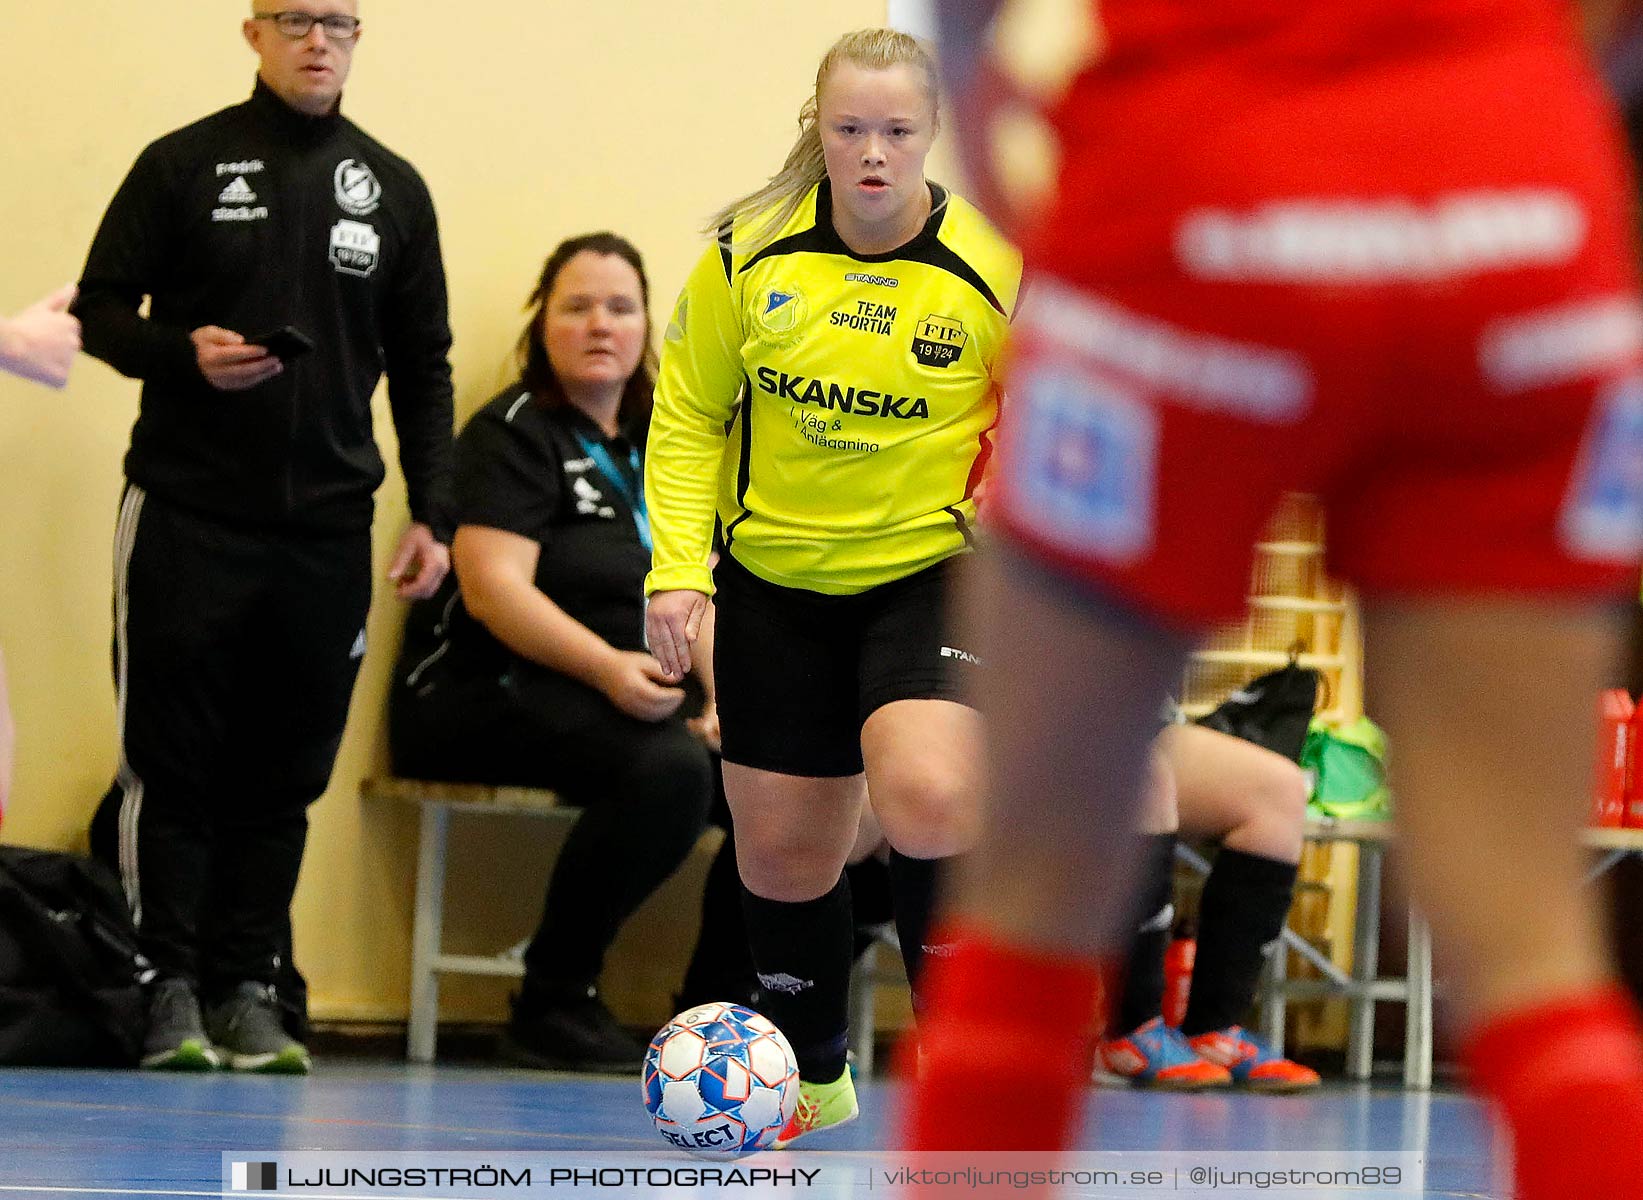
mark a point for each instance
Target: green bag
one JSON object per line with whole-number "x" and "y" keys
{"x": 1348, "y": 767}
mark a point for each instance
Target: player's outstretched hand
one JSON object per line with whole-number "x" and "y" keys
{"x": 40, "y": 342}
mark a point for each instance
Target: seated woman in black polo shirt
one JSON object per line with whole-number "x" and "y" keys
{"x": 536, "y": 673}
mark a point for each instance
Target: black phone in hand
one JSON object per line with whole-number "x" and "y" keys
{"x": 285, "y": 343}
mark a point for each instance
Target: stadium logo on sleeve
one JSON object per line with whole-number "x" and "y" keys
{"x": 779, "y": 314}
{"x": 939, "y": 341}
{"x": 358, "y": 191}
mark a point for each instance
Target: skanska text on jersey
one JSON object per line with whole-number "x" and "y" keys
{"x": 865, "y": 402}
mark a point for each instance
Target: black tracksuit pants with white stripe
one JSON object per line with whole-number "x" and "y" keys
{"x": 235, "y": 654}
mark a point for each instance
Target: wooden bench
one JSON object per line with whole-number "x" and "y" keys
{"x": 1365, "y": 986}
{"x": 437, "y": 801}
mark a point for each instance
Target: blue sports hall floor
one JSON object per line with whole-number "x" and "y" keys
{"x": 127, "y": 1134}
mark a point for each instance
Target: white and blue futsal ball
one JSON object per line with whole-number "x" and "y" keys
{"x": 720, "y": 1080}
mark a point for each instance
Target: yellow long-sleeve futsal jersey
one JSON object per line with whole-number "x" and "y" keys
{"x": 858, "y": 391}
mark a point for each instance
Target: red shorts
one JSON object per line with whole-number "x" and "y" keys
{"x": 1405, "y": 285}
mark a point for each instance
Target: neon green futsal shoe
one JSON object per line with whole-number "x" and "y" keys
{"x": 821, "y": 1106}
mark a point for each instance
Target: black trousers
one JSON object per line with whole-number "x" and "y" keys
{"x": 646, "y": 788}
{"x": 235, "y": 655}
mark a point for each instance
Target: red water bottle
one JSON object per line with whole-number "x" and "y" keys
{"x": 1633, "y": 816}
{"x": 1614, "y": 714}
{"x": 1178, "y": 978}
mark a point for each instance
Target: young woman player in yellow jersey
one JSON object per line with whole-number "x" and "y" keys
{"x": 828, "y": 388}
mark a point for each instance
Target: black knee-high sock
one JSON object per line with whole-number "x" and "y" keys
{"x": 803, "y": 956}
{"x": 914, "y": 883}
{"x": 870, "y": 898}
{"x": 1246, "y": 899}
{"x": 721, "y": 968}
{"x": 870, "y": 901}
{"x": 1142, "y": 997}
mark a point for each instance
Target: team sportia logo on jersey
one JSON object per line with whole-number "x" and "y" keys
{"x": 866, "y": 402}
{"x": 869, "y": 317}
{"x": 938, "y": 341}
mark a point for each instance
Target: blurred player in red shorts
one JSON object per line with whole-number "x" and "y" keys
{"x": 1380, "y": 251}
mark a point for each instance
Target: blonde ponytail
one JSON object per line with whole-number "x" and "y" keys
{"x": 773, "y": 205}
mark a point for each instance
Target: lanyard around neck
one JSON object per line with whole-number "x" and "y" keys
{"x": 632, "y": 491}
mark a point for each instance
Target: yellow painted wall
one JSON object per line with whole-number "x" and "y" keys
{"x": 531, "y": 120}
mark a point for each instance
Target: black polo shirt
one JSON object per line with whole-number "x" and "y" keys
{"x": 521, "y": 467}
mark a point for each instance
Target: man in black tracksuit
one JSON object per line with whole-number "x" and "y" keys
{"x": 242, "y": 557}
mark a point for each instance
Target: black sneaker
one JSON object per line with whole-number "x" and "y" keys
{"x": 176, "y": 1038}
{"x": 248, "y": 1030}
{"x": 571, "y": 1033}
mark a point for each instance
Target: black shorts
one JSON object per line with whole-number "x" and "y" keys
{"x": 799, "y": 672}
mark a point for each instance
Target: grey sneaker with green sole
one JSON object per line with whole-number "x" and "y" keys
{"x": 176, "y": 1038}
{"x": 247, "y": 1030}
